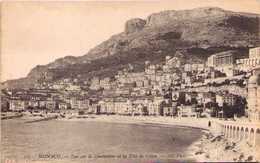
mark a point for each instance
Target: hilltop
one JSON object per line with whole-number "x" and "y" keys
{"x": 196, "y": 33}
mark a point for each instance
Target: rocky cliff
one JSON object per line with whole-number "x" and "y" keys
{"x": 197, "y": 33}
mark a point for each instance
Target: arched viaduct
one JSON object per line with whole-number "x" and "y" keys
{"x": 237, "y": 131}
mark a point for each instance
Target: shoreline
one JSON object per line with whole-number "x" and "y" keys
{"x": 211, "y": 146}
{"x": 158, "y": 121}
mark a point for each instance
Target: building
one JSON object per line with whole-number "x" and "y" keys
{"x": 206, "y": 97}
{"x": 220, "y": 59}
{"x": 224, "y": 63}
{"x": 198, "y": 67}
{"x": 249, "y": 63}
{"x": 171, "y": 62}
{"x": 154, "y": 106}
{"x": 254, "y": 52}
{"x": 63, "y": 105}
{"x": 18, "y": 104}
{"x": 79, "y": 103}
{"x": 122, "y": 106}
{"x": 254, "y": 96}
{"x": 187, "y": 67}
{"x": 105, "y": 83}
{"x": 107, "y": 106}
{"x": 95, "y": 83}
{"x": 5, "y": 105}
{"x": 226, "y": 98}
{"x": 191, "y": 97}
{"x": 187, "y": 111}
{"x": 71, "y": 87}
{"x": 51, "y": 104}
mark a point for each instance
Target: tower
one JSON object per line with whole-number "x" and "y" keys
{"x": 254, "y": 96}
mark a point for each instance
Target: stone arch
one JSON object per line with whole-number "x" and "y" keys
{"x": 257, "y": 141}
{"x": 231, "y": 131}
{"x": 258, "y": 130}
{"x": 223, "y": 128}
{"x": 246, "y": 132}
{"x": 251, "y": 133}
{"x": 242, "y": 129}
{"x": 234, "y": 131}
{"x": 226, "y": 131}
{"x": 237, "y": 132}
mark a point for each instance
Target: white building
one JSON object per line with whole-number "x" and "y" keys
{"x": 251, "y": 62}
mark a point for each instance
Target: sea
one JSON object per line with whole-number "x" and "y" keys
{"x": 89, "y": 141}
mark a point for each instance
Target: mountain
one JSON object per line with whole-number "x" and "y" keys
{"x": 196, "y": 33}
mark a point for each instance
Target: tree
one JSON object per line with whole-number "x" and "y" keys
{"x": 194, "y": 101}
{"x": 228, "y": 111}
{"x": 239, "y": 106}
{"x": 181, "y": 99}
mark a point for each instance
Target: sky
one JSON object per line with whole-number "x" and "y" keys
{"x": 36, "y": 32}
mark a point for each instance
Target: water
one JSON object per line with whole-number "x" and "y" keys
{"x": 61, "y": 141}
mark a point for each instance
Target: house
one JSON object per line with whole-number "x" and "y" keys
{"x": 187, "y": 68}
{"x": 225, "y": 98}
{"x": 197, "y": 67}
{"x": 78, "y": 102}
{"x": 105, "y": 83}
{"x": 71, "y": 87}
{"x": 63, "y": 105}
{"x": 151, "y": 69}
{"x": 172, "y": 62}
{"x": 191, "y": 97}
{"x": 254, "y": 52}
{"x": 157, "y": 101}
{"x": 122, "y": 91}
{"x": 206, "y": 97}
{"x": 18, "y": 103}
{"x": 187, "y": 111}
{"x": 250, "y": 63}
{"x": 107, "y": 106}
{"x": 139, "y": 83}
{"x": 51, "y": 104}
{"x": 153, "y": 108}
{"x": 5, "y": 105}
{"x": 122, "y": 106}
{"x": 95, "y": 83}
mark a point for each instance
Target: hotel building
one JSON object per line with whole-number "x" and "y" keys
{"x": 251, "y": 62}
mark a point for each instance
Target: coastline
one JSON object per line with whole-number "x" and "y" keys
{"x": 210, "y": 147}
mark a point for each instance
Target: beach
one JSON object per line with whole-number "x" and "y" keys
{"x": 208, "y": 146}
{"x": 74, "y": 140}
{"x": 212, "y": 146}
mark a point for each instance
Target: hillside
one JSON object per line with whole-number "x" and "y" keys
{"x": 197, "y": 33}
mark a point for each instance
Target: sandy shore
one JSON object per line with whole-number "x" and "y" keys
{"x": 211, "y": 147}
